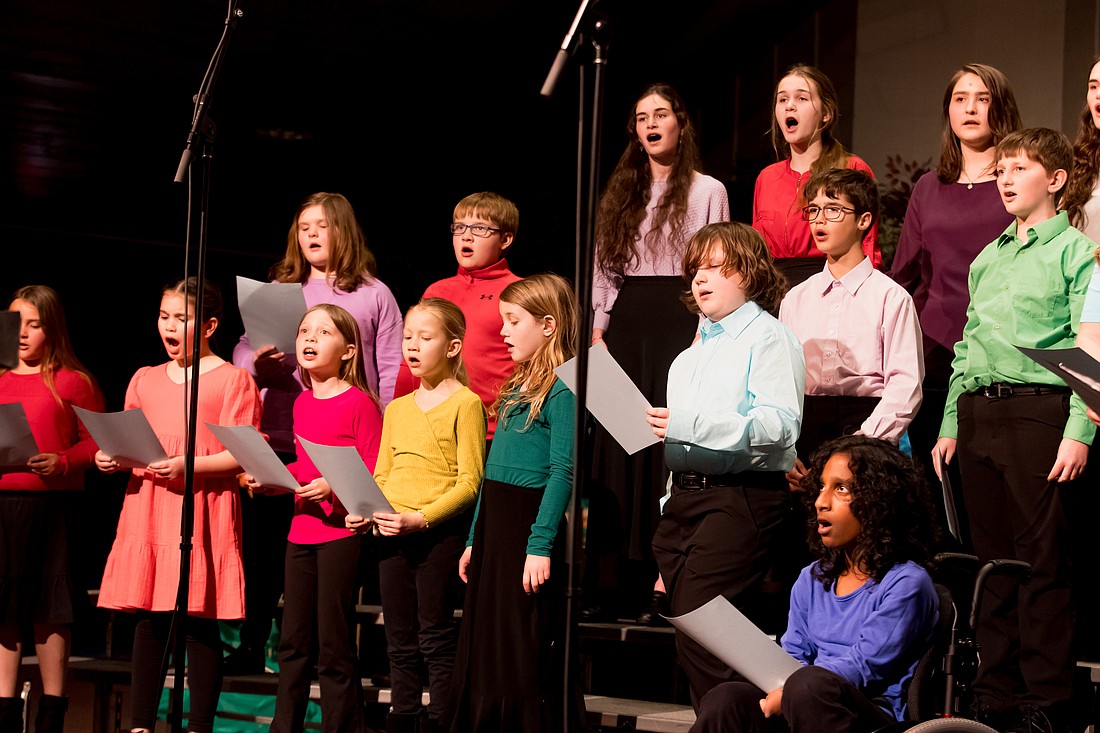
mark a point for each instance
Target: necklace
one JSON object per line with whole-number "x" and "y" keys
{"x": 969, "y": 180}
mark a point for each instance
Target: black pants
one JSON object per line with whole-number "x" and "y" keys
{"x": 719, "y": 541}
{"x": 814, "y": 699}
{"x": 152, "y": 634}
{"x": 265, "y": 521}
{"x": 319, "y": 603}
{"x": 418, "y": 578}
{"x": 1006, "y": 450}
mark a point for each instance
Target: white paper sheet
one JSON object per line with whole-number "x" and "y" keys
{"x": 271, "y": 312}
{"x": 612, "y": 399}
{"x": 17, "y": 444}
{"x": 248, "y": 446}
{"x": 349, "y": 477}
{"x": 725, "y": 632}
{"x": 125, "y": 436}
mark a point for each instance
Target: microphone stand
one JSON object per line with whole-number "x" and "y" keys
{"x": 200, "y": 138}
{"x": 587, "y": 199}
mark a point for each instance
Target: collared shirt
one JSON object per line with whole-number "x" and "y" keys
{"x": 1022, "y": 293}
{"x": 777, "y": 212}
{"x": 735, "y": 401}
{"x": 946, "y": 226}
{"x": 861, "y": 338}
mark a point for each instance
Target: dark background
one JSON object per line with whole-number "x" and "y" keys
{"x": 404, "y": 106}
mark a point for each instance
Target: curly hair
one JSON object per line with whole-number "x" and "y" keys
{"x": 891, "y": 501}
{"x": 1086, "y": 166}
{"x": 622, "y": 205}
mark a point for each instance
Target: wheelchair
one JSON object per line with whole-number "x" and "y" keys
{"x": 939, "y": 696}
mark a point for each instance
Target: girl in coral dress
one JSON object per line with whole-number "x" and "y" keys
{"x": 142, "y": 572}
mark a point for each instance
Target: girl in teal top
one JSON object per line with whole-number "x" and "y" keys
{"x": 511, "y": 643}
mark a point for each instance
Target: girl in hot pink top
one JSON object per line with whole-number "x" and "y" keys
{"x": 39, "y": 508}
{"x": 806, "y": 111}
{"x": 142, "y": 572}
{"x": 321, "y": 556}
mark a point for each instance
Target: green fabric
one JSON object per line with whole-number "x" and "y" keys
{"x": 538, "y": 456}
{"x": 1023, "y": 293}
{"x": 232, "y": 702}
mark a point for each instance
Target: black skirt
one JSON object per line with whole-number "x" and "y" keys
{"x": 798, "y": 270}
{"x": 37, "y": 582}
{"x": 511, "y": 664}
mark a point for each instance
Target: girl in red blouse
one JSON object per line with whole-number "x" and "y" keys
{"x": 38, "y": 507}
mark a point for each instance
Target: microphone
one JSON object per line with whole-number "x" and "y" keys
{"x": 563, "y": 52}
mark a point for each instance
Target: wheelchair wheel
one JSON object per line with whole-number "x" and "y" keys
{"x": 950, "y": 725}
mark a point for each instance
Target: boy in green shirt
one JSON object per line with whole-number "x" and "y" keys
{"x": 1020, "y": 435}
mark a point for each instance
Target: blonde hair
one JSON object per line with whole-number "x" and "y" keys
{"x": 491, "y": 206}
{"x": 453, "y": 322}
{"x": 543, "y": 296}
{"x": 352, "y": 370}
{"x": 350, "y": 261}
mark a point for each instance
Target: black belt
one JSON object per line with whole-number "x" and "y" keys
{"x": 1003, "y": 390}
{"x": 694, "y": 480}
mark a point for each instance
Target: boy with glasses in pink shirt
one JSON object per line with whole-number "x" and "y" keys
{"x": 859, "y": 329}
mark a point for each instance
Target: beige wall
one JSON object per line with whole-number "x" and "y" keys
{"x": 907, "y": 50}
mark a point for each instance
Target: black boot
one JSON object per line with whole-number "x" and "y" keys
{"x": 51, "y": 714}
{"x": 651, "y": 614}
{"x": 11, "y": 715}
{"x": 403, "y": 723}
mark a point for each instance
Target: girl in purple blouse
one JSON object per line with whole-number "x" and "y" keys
{"x": 954, "y": 212}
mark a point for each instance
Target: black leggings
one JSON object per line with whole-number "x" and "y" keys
{"x": 204, "y": 669}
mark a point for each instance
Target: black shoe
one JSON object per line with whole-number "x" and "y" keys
{"x": 592, "y": 612}
{"x": 651, "y": 614}
{"x": 1035, "y": 719}
{"x": 987, "y": 714}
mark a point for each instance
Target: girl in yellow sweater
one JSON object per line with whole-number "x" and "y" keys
{"x": 430, "y": 466}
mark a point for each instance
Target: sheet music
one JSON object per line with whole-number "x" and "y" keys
{"x": 1075, "y": 367}
{"x": 271, "y": 312}
{"x": 613, "y": 399}
{"x": 255, "y": 455}
{"x": 125, "y": 436}
{"x": 349, "y": 477}
{"x": 17, "y": 444}
{"x": 727, "y": 634}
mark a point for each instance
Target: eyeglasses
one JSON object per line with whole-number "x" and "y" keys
{"x": 478, "y": 230}
{"x": 832, "y": 212}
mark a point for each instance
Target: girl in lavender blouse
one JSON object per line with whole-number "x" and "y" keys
{"x": 655, "y": 200}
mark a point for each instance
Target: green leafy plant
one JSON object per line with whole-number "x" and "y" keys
{"x": 895, "y": 188}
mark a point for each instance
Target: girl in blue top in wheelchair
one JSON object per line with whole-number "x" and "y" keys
{"x": 862, "y": 615}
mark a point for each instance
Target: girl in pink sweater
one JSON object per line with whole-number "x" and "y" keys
{"x": 338, "y": 408}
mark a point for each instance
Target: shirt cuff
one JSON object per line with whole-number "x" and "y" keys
{"x": 1080, "y": 429}
{"x": 600, "y": 319}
